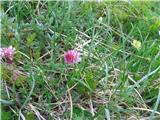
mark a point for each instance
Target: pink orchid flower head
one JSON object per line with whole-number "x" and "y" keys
{"x": 72, "y": 57}
{"x": 7, "y": 53}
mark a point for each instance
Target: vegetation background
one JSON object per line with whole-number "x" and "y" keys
{"x": 118, "y": 77}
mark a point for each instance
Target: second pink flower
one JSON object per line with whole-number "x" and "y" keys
{"x": 72, "y": 57}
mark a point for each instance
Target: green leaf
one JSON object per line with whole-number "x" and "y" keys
{"x": 6, "y": 74}
{"x": 100, "y": 113}
{"x": 90, "y": 81}
{"x": 30, "y": 116}
{"x": 6, "y": 115}
{"x": 30, "y": 39}
{"x": 20, "y": 80}
{"x": 79, "y": 114}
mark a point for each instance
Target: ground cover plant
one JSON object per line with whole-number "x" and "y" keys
{"x": 80, "y": 60}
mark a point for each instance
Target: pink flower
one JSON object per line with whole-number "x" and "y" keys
{"x": 72, "y": 57}
{"x": 7, "y": 53}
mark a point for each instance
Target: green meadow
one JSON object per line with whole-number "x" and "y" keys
{"x": 117, "y": 78}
